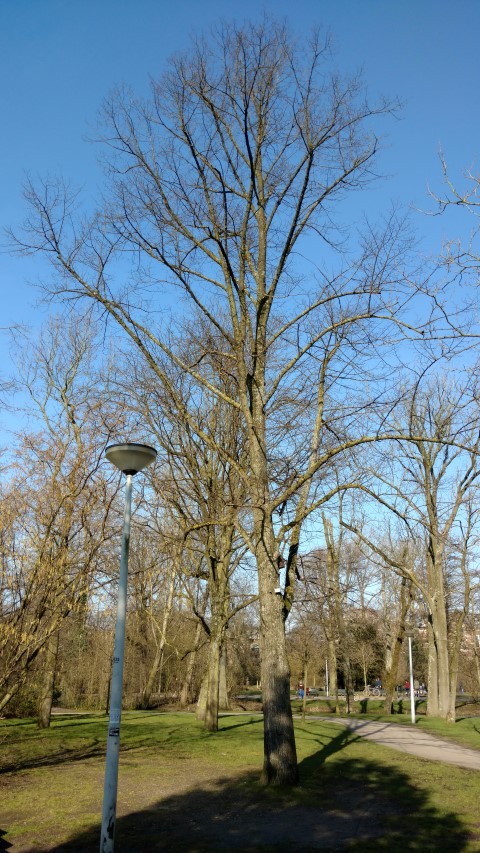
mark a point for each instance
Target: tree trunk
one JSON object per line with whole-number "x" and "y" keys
{"x": 441, "y": 640}
{"x": 223, "y": 701}
{"x": 391, "y": 671}
{"x": 336, "y": 609}
{"x": 48, "y": 679}
{"x": 213, "y": 683}
{"x": 365, "y": 682}
{"x": 148, "y": 688}
{"x": 438, "y": 704}
{"x": 333, "y": 677}
{"x": 432, "y": 701}
{"x": 280, "y": 755}
{"x": 305, "y": 685}
{"x": 438, "y": 659}
{"x": 457, "y": 634}
{"x": 394, "y": 649}
{"x": 159, "y": 652}
{"x": 476, "y": 652}
{"x": 349, "y": 694}
{"x": 10, "y": 693}
{"x": 452, "y": 710}
{"x": 201, "y": 710}
{"x": 219, "y": 600}
{"x": 215, "y": 662}
{"x": 186, "y": 691}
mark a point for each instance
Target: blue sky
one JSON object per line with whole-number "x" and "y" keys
{"x": 59, "y": 58}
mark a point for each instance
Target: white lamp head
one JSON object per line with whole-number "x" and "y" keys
{"x": 130, "y": 458}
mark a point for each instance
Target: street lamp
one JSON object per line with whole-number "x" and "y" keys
{"x": 130, "y": 459}
{"x": 412, "y": 691}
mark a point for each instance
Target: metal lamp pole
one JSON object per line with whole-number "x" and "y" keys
{"x": 130, "y": 459}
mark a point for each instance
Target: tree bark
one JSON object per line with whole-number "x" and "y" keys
{"x": 280, "y": 755}
{"x": 186, "y": 692}
{"x": 332, "y": 672}
{"x": 159, "y": 651}
{"x": 438, "y": 703}
{"x": 394, "y": 649}
{"x": 201, "y": 710}
{"x": 223, "y": 700}
{"x": 336, "y": 606}
{"x": 45, "y": 701}
{"x": 432, "y": 701}
{"x": 213, "y": 683}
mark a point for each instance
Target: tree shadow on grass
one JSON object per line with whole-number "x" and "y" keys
{"x": 4, "y": 844}
{"x": 348, "y": 805}
{"x": 66, "y": 756}
{"x": 96, "y": 731}
{"x": 248, "y": 721}
{"x": 62, "y": 752}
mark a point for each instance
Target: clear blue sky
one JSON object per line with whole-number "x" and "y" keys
{"x": 58, "y": 58}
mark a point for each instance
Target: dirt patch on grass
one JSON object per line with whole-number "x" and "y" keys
{"x": 185, "y": 806}
{"x": 189, "y": 808}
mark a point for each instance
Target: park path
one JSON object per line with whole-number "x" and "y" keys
{"x": 400, "y": 737}
{"x": 411, "y": 740}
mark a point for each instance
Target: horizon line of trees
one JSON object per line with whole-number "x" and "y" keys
{"x": 192, "y": 584}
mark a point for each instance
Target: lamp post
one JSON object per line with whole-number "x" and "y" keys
{"x": 130, "y": 459}
{"x": 412, "y": 691}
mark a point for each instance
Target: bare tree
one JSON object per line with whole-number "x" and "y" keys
{"x": 335, "y": 580}
{"x": 431, "y": 484}
{"x": 201, "y": 489}
{"x": 58, "y": 522}
{"x": 220, "y": 185}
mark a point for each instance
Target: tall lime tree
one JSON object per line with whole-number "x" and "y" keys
{"x": 223, "y": 187}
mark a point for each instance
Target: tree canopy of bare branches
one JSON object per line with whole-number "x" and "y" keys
{"x": 223, "y": 198}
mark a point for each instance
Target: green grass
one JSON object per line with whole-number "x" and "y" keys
{"x": 354, "y": 795}
{"x": 24, "y": 746}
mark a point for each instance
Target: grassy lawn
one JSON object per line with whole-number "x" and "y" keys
{"x": 183, "y": 789}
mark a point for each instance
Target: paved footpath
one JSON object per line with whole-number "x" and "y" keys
{"x": 412, "y": 740}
